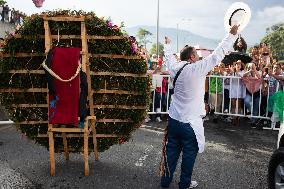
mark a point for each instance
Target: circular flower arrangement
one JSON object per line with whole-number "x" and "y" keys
{"x": 19, "y": 77}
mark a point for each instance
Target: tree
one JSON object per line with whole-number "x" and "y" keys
{"x": 142, "y": 36}
{"x": 275, "y": 40}
{"x": 2, "y": 2}
{"x": 153, "y": 50}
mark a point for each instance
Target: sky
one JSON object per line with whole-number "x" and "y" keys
{"x": 202, "y": 17}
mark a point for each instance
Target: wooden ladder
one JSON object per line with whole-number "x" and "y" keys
{"x": 90, "y": 121}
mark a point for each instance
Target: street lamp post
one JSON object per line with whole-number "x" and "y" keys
{"x": 184, "y": 19}
{"x": 158, "y": 15}
{"x": 177, "y": 37}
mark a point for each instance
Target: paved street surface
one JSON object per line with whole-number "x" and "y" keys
{"x": 236, "y": 157}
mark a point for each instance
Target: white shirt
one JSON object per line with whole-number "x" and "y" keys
{"x": 157, "y": 80}
{"x": 187, "y": 103}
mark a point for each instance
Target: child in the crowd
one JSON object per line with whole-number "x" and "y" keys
{"x": 216, "y": 89}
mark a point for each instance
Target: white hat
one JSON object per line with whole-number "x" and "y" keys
{"x": 238, "y": 13}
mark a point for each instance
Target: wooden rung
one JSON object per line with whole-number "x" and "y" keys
{"x": 114, "y": 56}
{"x": 91, "y": 117}
{"x": 107, "y": 136}
{"x": 91, "y": 55}
{"x": 119, "y": 107}
{"x": 65, "y": 18}
{"x": 104, "y": 91}
{"x": 18, "y": 55}
{"x": 98, "y": 121}
{"x": 114, "y": 121}
{"x": 27, "y": 71}
{"x": 33, "y": 90}
{"x": 80, "y": 135}
{"x": 105, "y": 37}
{"x": 118, "y": 74}
{"x": 94, "y": 37}
{"x": 29, "y": 105}
{"x": 31, "y": 122}
{"x": 92, "y": 73}
{"x": 67, "y": 130}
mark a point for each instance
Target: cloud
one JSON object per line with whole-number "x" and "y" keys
{"x": 206, "y": 15}
{"x": 261, "y": 20}
{"x": 271, "y": 14}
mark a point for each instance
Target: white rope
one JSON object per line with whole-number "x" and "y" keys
{"x": 57, "y": 76}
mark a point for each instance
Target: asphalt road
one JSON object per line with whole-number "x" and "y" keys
{"x": 236, "y": 157}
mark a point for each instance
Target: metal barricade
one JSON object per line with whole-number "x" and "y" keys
{"x": 161, "y": 101}
{"x": 252, "y": 112}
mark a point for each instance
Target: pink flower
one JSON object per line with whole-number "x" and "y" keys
{"x": 38, "y": 3}
{"x": 109, "y": 24}
{"x": 134, "y": 48}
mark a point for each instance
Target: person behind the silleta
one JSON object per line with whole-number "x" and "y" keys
{"x": 185, "y": 130}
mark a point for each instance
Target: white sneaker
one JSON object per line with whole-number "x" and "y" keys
{"x": 193, "y": 184}
{"x": 228, "y": 120}
{"x": 158, "y": 119}
{"x": 147, "y": 119}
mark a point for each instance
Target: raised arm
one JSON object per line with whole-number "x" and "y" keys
{"x": 170, "y": 59}
{"x": 205, "y": 65}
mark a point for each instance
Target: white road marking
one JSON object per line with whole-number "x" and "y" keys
{"x": 142, "y": 159}
{"x": 147, "y": 128}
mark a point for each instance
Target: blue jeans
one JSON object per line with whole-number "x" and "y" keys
{"x": 248, "y": 103}
{"x": 181, "y": 137}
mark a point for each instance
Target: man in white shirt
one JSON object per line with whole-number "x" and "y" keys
{"x": 185, "y": 127}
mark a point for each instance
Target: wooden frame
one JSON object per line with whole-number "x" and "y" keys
{"x": 89, "y": 127}
{"x": 92, "y": 119}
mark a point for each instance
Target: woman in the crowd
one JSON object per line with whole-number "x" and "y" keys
{"x": 253, "y": 81}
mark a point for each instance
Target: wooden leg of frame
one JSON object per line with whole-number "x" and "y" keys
{"x": 96, "y": 153}
{"x": 51, "y": 153}
{"x": 66, "y": 153}
{"x": 86, "y": 150}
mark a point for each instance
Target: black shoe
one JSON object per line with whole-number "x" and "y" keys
{"x": 163, "y": 186}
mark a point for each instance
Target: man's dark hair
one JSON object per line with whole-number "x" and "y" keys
{"x": 185, "y": 53}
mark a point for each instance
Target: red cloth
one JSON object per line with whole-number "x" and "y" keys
{"x": 252, "y": 84}
{"x": 65, "y": 63}
{"x": 164, "y": 86}
{"x": 160, "y": 62}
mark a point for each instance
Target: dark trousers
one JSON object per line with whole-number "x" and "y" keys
{"x": 181, "y": 137}
{"x": 226, "y": 99}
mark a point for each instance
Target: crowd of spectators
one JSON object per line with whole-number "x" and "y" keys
{"x": 10, "y": 15}
{"x": 238, "y": 88}
{"x": 246, "y": 88}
